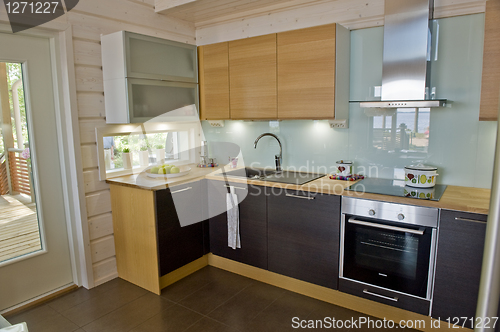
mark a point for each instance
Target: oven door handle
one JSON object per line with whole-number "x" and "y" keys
{"x": 353, "y": 220}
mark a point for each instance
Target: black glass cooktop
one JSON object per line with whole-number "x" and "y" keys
{"x": 397, "y": 188}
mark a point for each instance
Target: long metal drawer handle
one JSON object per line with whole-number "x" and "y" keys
{"x": 392, "y": 228}
{"x": 181, "y": 190}
{"x": 465, "y": 219}
{"x": 297, "y": 196}
{"x": 395, "y": 299}
{"x": 235, "y": 187}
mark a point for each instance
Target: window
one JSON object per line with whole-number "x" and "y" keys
{"x": 128, "y": 149}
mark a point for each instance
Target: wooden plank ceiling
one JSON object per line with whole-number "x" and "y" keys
{"x": 213, "y": 12}
{"x": 203, "y": 11}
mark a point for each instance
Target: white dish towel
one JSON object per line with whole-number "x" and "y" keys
{"x": 233, "y": 220}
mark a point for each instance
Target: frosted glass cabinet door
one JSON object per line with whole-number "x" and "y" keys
{"x": 149, "y": 99}
{"x": 155, "y": 58}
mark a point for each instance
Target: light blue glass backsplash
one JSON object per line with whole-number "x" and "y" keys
{"x": 458, "y": 144}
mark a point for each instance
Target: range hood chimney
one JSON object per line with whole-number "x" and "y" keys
{"x": 407, "y": 44}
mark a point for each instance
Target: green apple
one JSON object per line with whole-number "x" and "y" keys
{"x": 174, "y": 170}
{"x": 154, "y": 170}
{"x": 169, "y": 169}
{"x": 162, "y": 170}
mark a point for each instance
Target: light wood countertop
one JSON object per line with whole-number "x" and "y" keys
{"x": 142, "y": 181}
{"x": 466, "y": 199}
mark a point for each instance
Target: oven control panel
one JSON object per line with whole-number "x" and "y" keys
{"x": 411, "y": 214}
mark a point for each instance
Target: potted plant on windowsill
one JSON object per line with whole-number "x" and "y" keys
{"x": 160, "y": 153}
{"x": 126, "y": 158}
{"x": 143, "y": 155}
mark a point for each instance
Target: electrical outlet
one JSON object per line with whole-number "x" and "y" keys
{"x": 216, "y": 123}
{"x": 343, "y": 124}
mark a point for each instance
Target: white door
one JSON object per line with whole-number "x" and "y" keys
{"x": 49, "y": 268}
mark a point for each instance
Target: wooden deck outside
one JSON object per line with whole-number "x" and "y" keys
{"x": 19, "y": 232}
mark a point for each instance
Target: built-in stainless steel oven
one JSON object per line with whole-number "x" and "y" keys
{"x": 388, "y": 252}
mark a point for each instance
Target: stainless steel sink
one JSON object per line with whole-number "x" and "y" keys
{"x": 251, "y": 173}
{"x": 271, "y": 175}
{"x": 291, "y": 177}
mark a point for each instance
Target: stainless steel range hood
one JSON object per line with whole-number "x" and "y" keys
{"x": 407, "y": 44}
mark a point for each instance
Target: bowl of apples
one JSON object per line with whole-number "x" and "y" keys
{"x": 166, "y": 171}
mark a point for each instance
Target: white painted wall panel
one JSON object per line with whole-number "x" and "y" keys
{"x": 92, "y": 183}
{"x": 89, "y": 79}
{"x": 102, "y": 248}
{"x": 87, "y": 53}
{"x": 89, "y": 156}
{"x": 87, "y": 129}
{"x": 105, "y": 270}
{"x": 100, "y": 226}
{"x": 90, "y": 105}
{"x": 98, "y": 203}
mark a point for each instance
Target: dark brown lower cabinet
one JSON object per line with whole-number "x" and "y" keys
{"x": 304, "y": 236}
{"x": 458, "y": 266}
{"x": 253, "y": 223}
{"x": 180, "y": 225}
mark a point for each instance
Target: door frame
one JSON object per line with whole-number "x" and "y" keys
{"x": 68, "y": 133}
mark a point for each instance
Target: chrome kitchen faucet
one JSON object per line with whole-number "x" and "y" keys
{"x": 277, "y": 158}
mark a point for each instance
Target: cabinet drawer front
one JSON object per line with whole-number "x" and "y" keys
{"x": 451, "y": 216}
{"x": 156, "y": 58}
{"x": 183, "y": 202}
{"x": 377, "y": 294}
{"x": 304, "y": 236}
{"x": 253, "y": 223}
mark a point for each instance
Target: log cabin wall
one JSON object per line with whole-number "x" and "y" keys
{"x": 90, "y": 19}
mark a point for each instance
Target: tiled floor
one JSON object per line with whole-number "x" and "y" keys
{"x": 208, "y": 300}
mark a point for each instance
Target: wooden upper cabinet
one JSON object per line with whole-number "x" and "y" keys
{"x": 252, "y": 78}
{"x": 490, "y": 85}
{"x": 214, "y": 81}
{"x": 300, "y": 74}
{"x": 306, "y": 73}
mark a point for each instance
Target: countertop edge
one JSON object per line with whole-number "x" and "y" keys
{"x": 455, "y": 198}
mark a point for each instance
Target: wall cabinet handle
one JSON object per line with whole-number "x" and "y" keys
{"x": 241, "y": 188}
{"x": 297, "y": 196}
{"x": 472, "y": 220}
{"x": 395, "y": 299}
{"x": 180, "y": 190}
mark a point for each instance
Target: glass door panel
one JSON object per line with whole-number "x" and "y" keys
{"x": 155, "y": 58}
{"x": 149, "y": 99}
{"x": 19, "y": 224}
